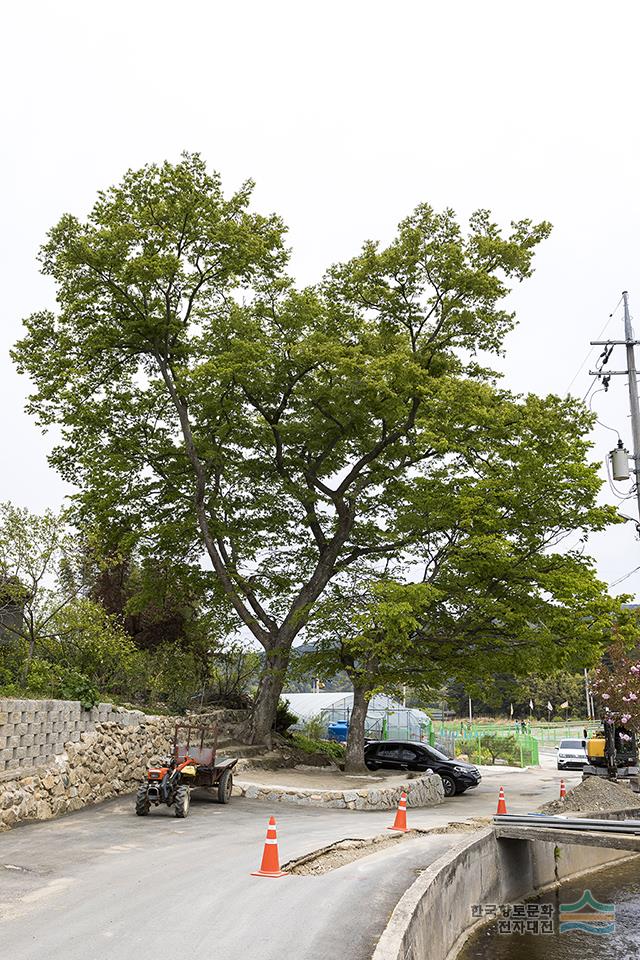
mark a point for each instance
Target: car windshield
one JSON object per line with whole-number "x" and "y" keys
{"x": 437, "y": 754}
{"x": 572, "y": 744}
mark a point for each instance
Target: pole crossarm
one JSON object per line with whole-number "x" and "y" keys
{"x": 608, "y": 373}
{"x": 629, "y": 343}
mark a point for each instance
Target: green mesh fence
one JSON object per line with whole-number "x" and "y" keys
{"x": 484, "y": 745}
{"x": 544, "y": 733}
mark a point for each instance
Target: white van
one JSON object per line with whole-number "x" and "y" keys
{"x": 572, "y": 754}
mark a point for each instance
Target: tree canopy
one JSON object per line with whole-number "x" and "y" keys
{"x": 299, "y": 435}
{"x": 498, "y": 590}
{"x": 616, "y": 684}
{"x": 42, "y": 571}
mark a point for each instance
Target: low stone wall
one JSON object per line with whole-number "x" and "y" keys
{"x": 33, "y": 732}
{"x": 434, "y": 917}
{"x": 90, "y": 766}
{"x": 421, "y": 792}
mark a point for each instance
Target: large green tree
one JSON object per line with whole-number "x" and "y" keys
{"x": 206, "y": 403}
{"x": 496, "y": 587}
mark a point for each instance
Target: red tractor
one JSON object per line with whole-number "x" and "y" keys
{"x": 192, "y": 764}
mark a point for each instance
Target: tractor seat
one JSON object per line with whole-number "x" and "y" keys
{"x": 204, "y": 756}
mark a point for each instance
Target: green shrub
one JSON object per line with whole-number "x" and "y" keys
{"x": 173, "y": 676}
{"x": 284, "y": 717}
{"x": 314, "y": 728}
{"x": 471, "y": 750}
{"x": 48, "y": 680}
{"x": 90, "y": 642}
{"x": 309, "y": 745}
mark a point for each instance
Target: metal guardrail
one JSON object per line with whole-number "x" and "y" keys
{"x": 569, "y": 823}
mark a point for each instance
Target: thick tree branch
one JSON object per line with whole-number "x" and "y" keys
{"x": 198, "y": 498}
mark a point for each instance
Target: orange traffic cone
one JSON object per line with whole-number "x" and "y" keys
{"x": 270, "y": 866}
{"x": 563, "y": 790}
{"x": 502, "y": 806}
{"x": 400, "y": 822}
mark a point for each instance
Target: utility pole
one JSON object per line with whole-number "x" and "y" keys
{"x": 630, "y": 344}
{"x": 587, "y": 694}
{"x": 633, "y": 394}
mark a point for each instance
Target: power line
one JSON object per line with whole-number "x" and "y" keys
{"x": 599, "y": 422}
{"x": 625, "y": 577}
{"x": 581, "y": 367}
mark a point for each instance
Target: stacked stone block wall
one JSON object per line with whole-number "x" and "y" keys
{"x": 35, "y": 732}
{"x": 72, "y": 757}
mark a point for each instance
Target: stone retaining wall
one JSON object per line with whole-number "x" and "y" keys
{"x": 421, "y": 792}
{"x": 84, "y": 760}
{"x": 34, "y": 732}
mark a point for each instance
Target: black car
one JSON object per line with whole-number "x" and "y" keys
{"x": 456, "y": 775}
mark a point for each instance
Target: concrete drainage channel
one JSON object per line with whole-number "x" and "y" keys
{"x": 478, "y": 870}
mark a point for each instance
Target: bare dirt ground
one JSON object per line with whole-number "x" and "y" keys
{"x": 346, "y": 851}
{"x": 321, "y": 778}
{"x": 343, "y": 852}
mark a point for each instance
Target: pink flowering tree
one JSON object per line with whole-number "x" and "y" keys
{"x": 616, "y": 684}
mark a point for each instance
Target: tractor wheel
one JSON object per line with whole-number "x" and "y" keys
{"x": 225, "y": 786}
{"x": 142, "y": 804}
{"x": 182, "y": 801}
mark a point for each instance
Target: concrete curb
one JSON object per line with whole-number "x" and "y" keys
{"x": 421, "y": 792}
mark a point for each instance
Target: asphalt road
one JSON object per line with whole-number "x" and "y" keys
{"x": 105, "y": 884}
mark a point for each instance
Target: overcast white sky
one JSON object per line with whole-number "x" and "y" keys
{"x": 347, "y": 114}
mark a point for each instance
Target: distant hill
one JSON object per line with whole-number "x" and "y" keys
{"x": 304, "y": 683}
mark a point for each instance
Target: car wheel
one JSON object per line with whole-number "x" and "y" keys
{"x": 372, "y": 766}
{"x": 449, "y": 785}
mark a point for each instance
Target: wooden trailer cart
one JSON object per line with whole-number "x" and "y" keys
{"x": 193, "y": 764}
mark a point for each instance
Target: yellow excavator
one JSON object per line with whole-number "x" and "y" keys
{"x": 612, "y": 753}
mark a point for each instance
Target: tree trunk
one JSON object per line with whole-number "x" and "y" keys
{"x": 354, "y": 762}
{"x": 24, "y": 673}
{"x": 268, "y": 694}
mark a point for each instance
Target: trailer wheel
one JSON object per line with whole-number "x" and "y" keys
{"x": 225, "y": 786}
{"x": 142, "y": 804}
{"x": 182, "y": 801}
